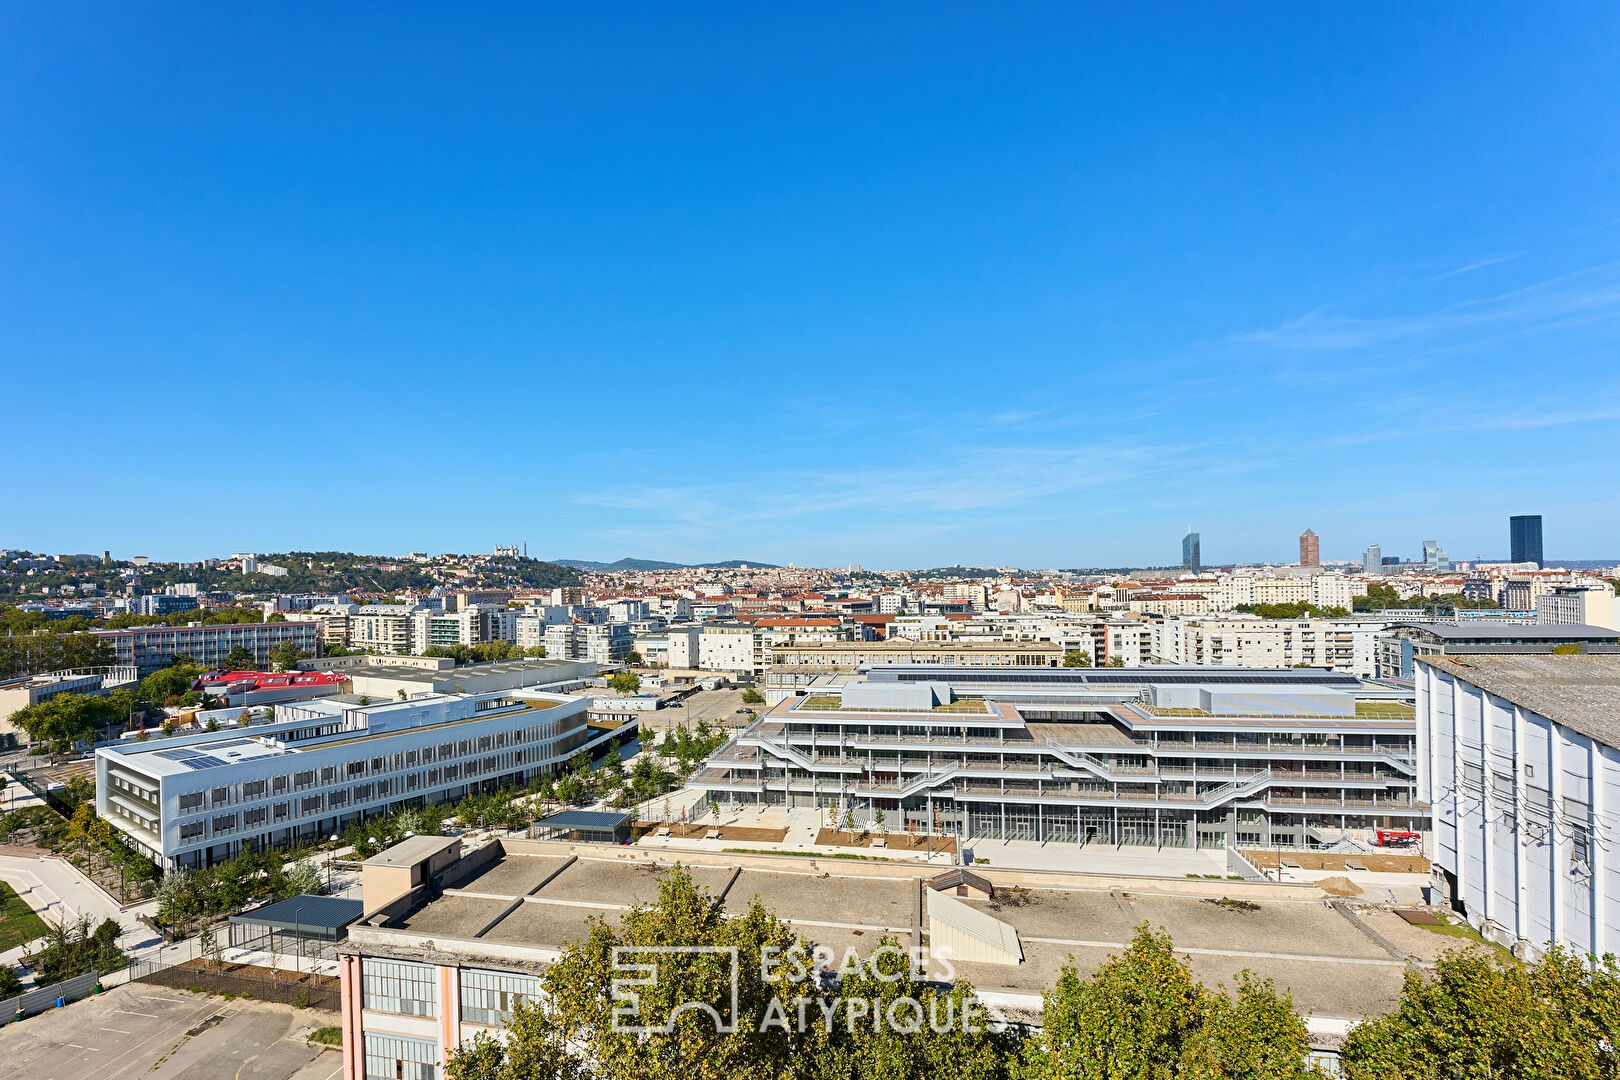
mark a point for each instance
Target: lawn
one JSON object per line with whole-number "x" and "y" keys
{"x": 1461, "y": 929}
{"x": 18, "y": 923}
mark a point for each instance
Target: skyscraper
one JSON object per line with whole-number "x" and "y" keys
{"x": 1310, "y": 548}
{"x": 1191, "y": 557}
{"x": 1435, "y": 558}
{"x": 1372, "y": 560}
{"x": 1525, "y": 530}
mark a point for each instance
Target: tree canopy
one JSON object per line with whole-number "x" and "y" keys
{"x": 1479, "y": 1014}
{"x": 1143, "y": 1015}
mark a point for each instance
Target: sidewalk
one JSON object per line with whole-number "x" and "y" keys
{"x": 57, "y": 890}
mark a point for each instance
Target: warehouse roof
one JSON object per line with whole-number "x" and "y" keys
{"x": 1487, "y": 630}
{"x": 1580, "y": 691}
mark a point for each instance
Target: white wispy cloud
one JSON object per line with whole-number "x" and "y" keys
{"x": 1583, "y": 296}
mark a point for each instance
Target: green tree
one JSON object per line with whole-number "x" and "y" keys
{"x": 625, "y": 683}
{"x": 751, "y": 696}
{"x": 1144, "y": 1016}
{"x": 240, "y": 658}
{"x": 10, "y": 984}
{"x": 1076, "y": 658}
{"x": 1379, "y": 597}
{"x": 965, "y": 1047}
{"x": 1480, "y": 1015}
{"x": 632, "y": 659}
{"x": 285, "y": 657}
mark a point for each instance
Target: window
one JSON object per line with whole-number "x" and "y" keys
{"x": 224, "y": 823}
{"x": 395, "y": 1057}
{"x": 253, "y": 789}
{"x": 192, "y": 801}
{"x": 221, "y": 796}
{"x": 487, "y": 997}
{"x": 399, "y": 987}
{"x": 191, "y": 832}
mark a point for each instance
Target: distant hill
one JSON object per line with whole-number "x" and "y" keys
{"x": 653, "y": 564}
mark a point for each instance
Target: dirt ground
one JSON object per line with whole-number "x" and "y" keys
{"x": 893, "y": 841}
{"x": 1310, "y": 860}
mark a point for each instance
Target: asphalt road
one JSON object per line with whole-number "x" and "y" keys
{"x": 142, "y": 1031}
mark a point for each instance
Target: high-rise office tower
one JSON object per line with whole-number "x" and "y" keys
{"x": 1191, "y": 556}
{"x": 1435, "y": 558}
{"x": 1372, "y": 560}
{"x": 1525, "y": 530}
{"x": 1310, "y": 548}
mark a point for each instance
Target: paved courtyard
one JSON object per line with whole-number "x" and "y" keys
{"x": 155, "y": 1033}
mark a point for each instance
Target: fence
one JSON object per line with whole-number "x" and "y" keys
{"x": 1237, "y": 864}
{"x": 45, "y": 997}
{"x": 302, "y": 989}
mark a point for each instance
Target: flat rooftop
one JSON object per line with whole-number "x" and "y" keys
{"x": 1485, "y": 630}
{"x": 545, "y": 900}
{"x": 1580, "y": 691}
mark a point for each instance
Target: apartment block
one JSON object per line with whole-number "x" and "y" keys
{"x": 150, "y": 648}
{"x": 1337, "y": 644}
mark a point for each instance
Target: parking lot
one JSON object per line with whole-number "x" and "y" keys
{"x": 715, "y": 706}
{"x": 156, "y": 1033}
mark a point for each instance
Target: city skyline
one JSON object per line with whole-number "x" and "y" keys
{"x": 862, "y": 307}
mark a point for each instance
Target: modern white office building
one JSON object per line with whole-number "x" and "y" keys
{"x": 198, "y": 799}
{"x": 1518, "y": 756}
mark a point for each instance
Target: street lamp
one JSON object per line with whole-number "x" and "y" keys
{"x": 333, "y": 840}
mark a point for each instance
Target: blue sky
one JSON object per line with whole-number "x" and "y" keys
{"x": 894, "y": 284}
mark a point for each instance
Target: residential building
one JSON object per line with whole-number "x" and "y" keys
{"x": 1524, "y": 537}
{"x": 727, "y": 647}
{"x": 603, "y": 644}
{"x": 149, "y": 648}
{"x": 685, "y": 649}
{"x": 1192, "y": 558}
{"x": 1523, "y": 592}
{"x": 1161, "y": 757}
{"x": 161, "y": 604}
{"x": 471, "y": 624}
{"x": 1310, "y": 548}
{"x": 198, "y": 799}
{"x": 385, "y": 628}
{"x": 1581, "y": 603}
{"x": 1250, "y": 642}
{"x": 1520, "y": 757}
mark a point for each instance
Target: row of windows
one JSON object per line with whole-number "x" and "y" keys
{"x": 303, "y": 780}
{"x": 400, "y": 987}
{"x": 487, "y": 997}
{"x": 397, "y": 1057}
{"x": 409, "y": 989}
